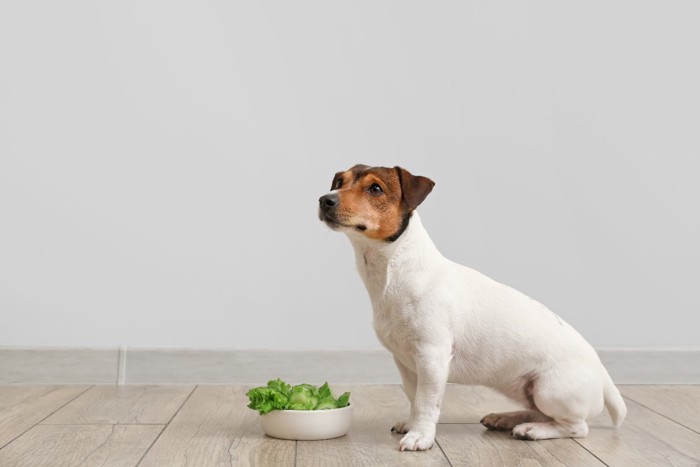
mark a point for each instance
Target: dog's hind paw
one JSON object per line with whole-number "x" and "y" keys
{"x": 401, "y": 427}
{"x": 525, "y": 431}
{"x": 496, "y": 422}
{"x": 416, "y": 441}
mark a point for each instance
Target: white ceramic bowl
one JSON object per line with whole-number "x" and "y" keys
{"x": 307, "y": 424}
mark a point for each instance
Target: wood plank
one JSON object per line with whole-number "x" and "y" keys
{"x": 462, "y": 404}
{"x": 469, "y": 404}
{"x": 369, "y": 441}
{"x": 253, "y": 449}
{"x": 472, "y": 444}
{"x": 72, "y": 445}
{"x": 645, "y": 439}
{"x": 215, "y": 427}
{"x": 21, "y": 407}
{"x": 680, "y": 403}
{"x": 123, "y": 404}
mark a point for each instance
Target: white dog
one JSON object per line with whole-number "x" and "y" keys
{"x": 447, "y": 323}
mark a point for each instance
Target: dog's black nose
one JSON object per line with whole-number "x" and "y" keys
{"x": 328, "y": 201}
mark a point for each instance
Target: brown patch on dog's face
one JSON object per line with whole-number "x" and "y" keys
{"x": 376, "y": 201}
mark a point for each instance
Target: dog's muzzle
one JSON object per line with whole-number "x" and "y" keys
{"x": 328, "y": 201}
{"x": 326, "y": 207}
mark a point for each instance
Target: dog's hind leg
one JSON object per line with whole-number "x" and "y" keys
{"x": 508, "y": 420}
{"x": 567, "y": 398}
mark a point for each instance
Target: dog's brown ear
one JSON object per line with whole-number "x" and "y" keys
{"x": 414, "y": 188}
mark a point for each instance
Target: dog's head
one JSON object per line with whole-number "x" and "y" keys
{"x": 375, "y": 201}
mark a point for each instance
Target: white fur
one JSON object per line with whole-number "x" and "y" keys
{"x": 447, "y": 323}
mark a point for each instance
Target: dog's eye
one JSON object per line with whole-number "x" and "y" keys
{"x": 375, "y": 190}
{"x": 338, "y": 183}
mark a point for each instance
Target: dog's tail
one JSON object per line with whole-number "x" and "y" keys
{"x": 613, "y": 400}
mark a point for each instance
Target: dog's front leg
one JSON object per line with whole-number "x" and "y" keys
{"x": 408, "y": 383}
{"x": 432, "y": 371}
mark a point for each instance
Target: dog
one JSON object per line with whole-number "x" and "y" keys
{"x": 444, "y": 322}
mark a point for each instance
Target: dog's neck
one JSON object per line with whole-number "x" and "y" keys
{"x": 380, "y": 262}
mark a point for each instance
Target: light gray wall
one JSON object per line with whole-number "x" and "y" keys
{"x": 161, "y": 163}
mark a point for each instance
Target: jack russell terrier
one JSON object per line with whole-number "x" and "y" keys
{"x": 447, "y": 323}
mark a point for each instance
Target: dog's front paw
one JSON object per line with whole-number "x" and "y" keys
{"x": 401, "y": 427}
{"x": 417, "y": 441}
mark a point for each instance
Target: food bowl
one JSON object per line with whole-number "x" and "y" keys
{"x": 307, "y": 425}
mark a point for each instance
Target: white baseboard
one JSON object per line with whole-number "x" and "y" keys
{"x": 188, "y": 366}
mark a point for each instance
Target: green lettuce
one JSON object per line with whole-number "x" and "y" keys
{"x": 278, "y": 395}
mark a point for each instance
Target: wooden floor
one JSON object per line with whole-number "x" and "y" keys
{"x": 211, "y": 426}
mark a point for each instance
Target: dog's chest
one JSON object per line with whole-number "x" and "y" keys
{"x": 394, "y": 329}
{"x": 392, "y": 292}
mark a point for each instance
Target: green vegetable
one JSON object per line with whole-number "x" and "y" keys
{"x": 344, "y": 399}
{"x": 327, "y": 403}
{"x": 278, "y": 395}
